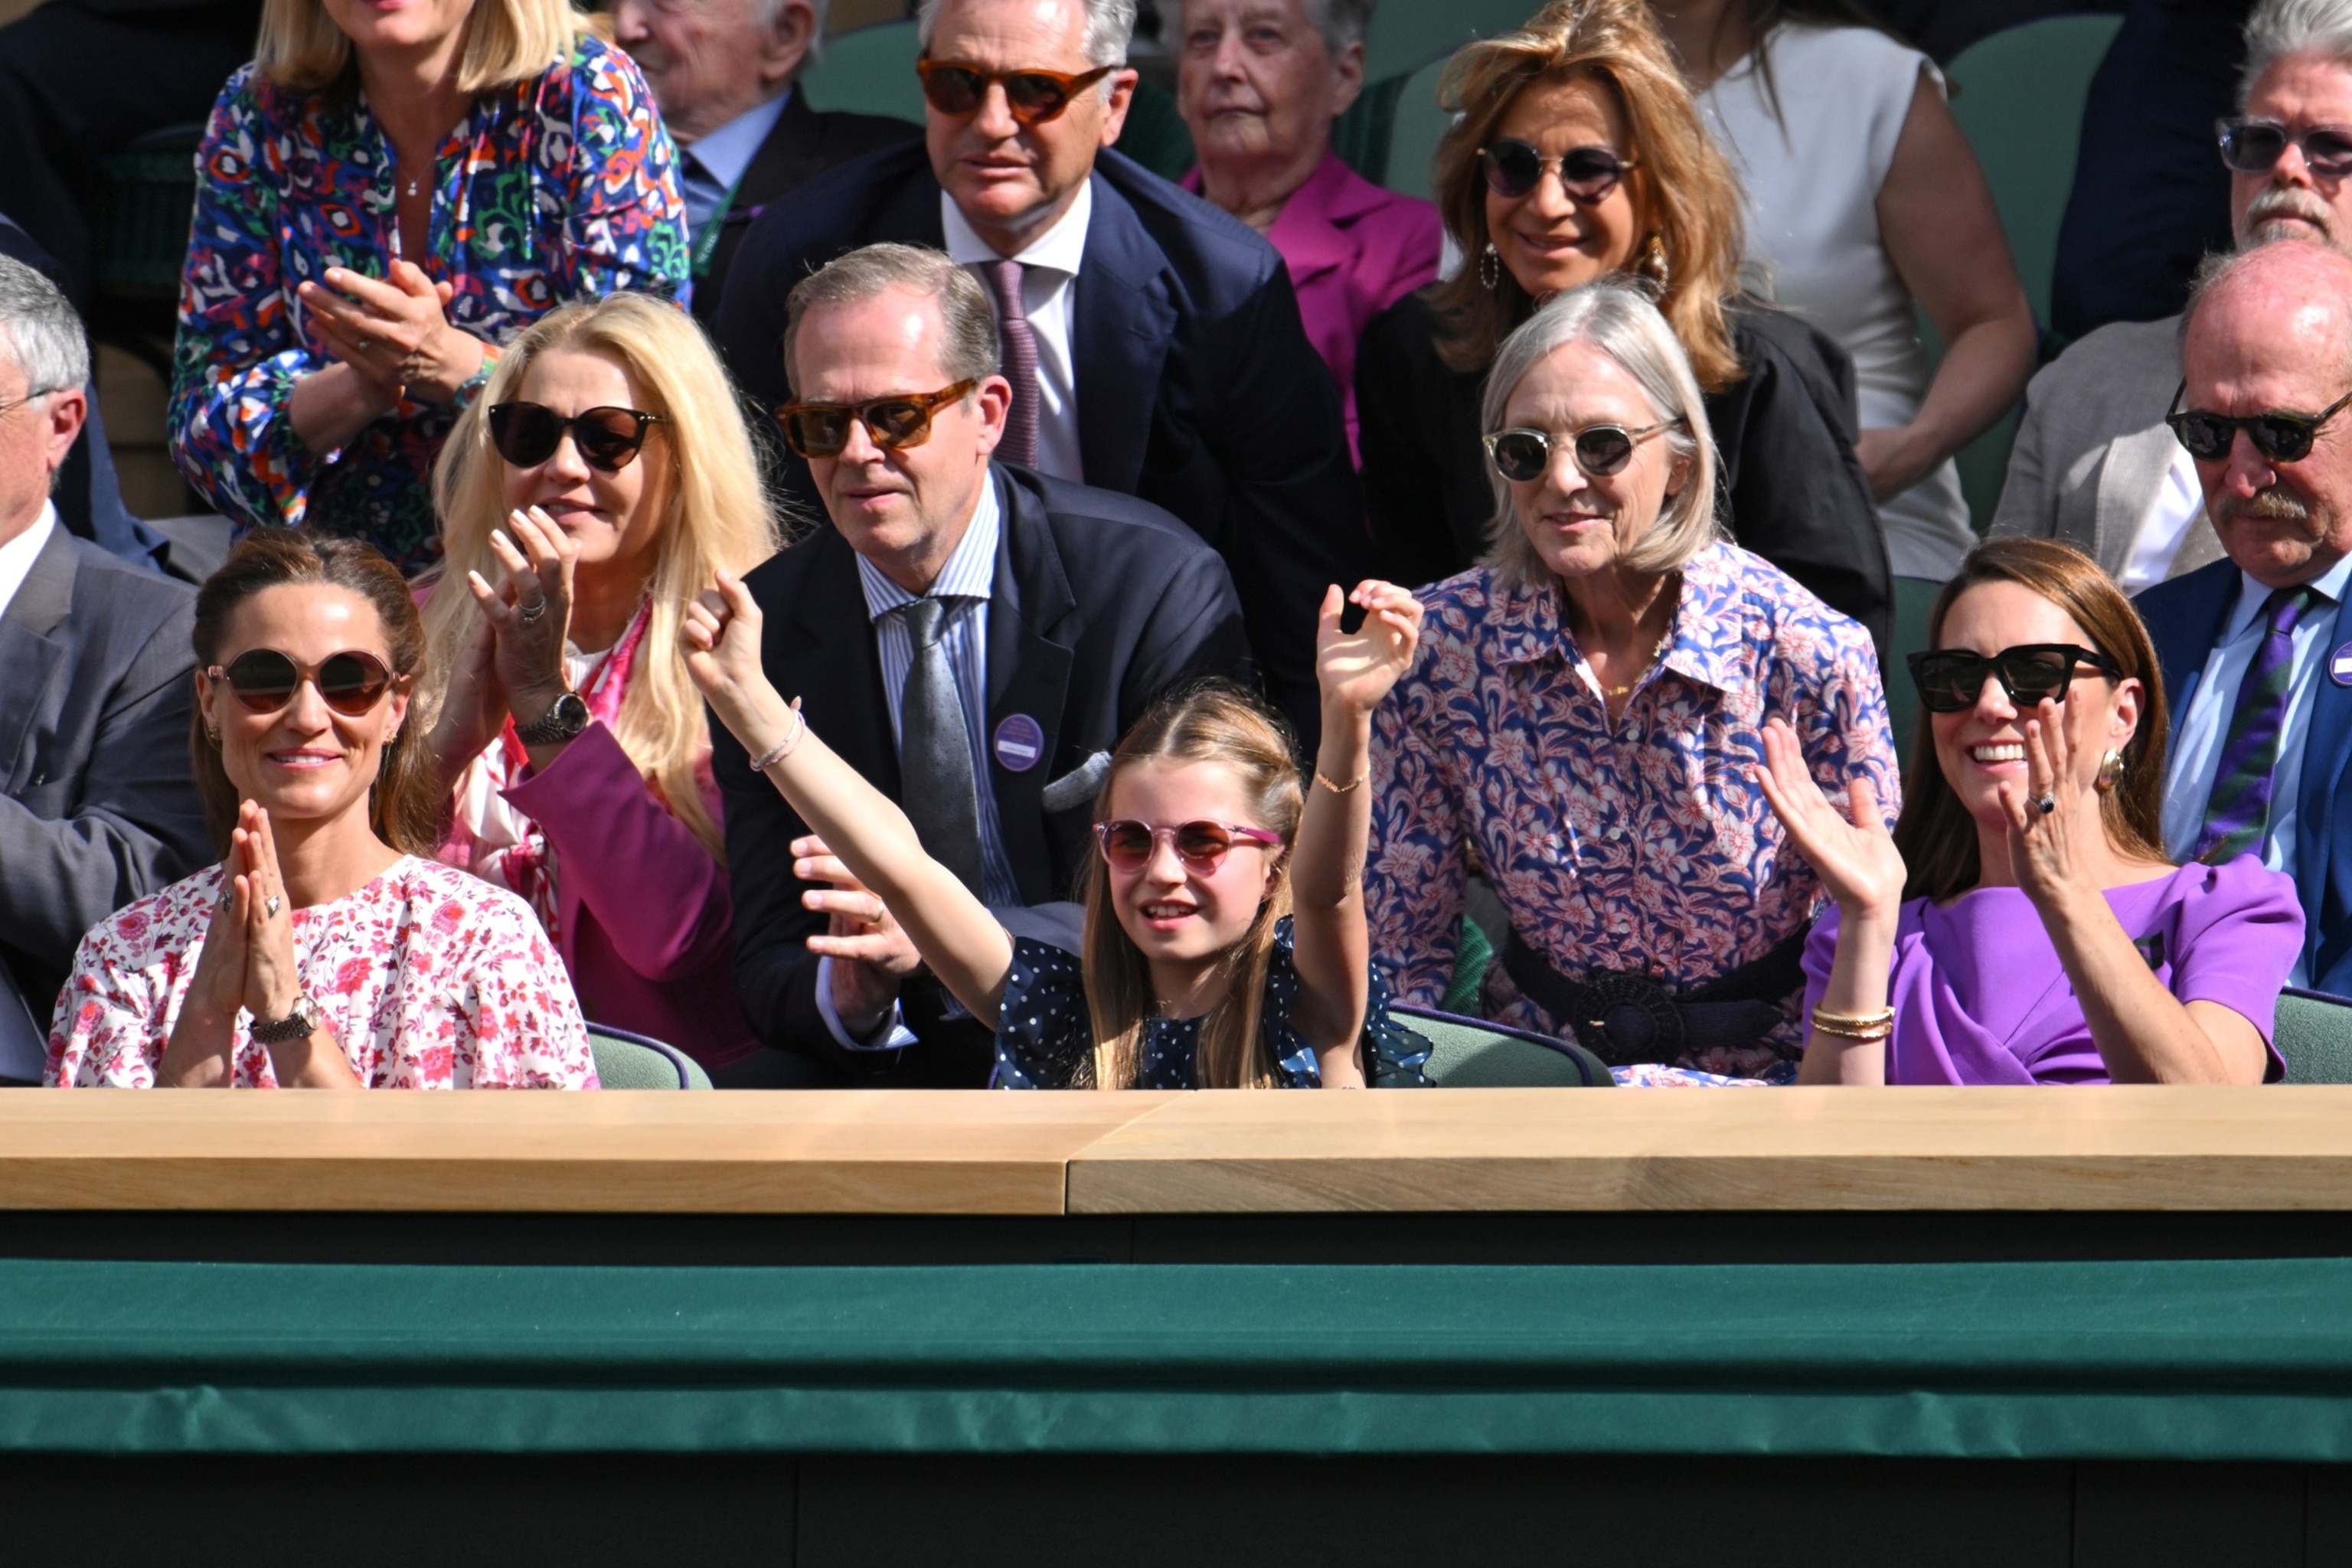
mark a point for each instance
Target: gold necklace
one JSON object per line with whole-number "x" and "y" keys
{"x": 1648, "y": 665}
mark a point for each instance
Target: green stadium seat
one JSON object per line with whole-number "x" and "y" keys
{"x": 1474, "y": 954}
{"x": 625, "y": 1060}
{"x": 870, "y": 71}
{"x": 1361, "y": 135}
{"x": 1469, "y": 1053}
{"x": 1418, "y": 127}
{"x": 1914, "y": 600}
{"x": 2314, "y": 1033}
{"x": 1406, "y": 35}
{"x": 1155, "y": 134}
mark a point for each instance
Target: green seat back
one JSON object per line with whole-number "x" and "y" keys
{"x": 1155, "y": 134}
{"x": 140, "y": 238}
{"x": 1912, "y": 601}
{"x": 870, "y": 71}
{"x": 2019, "y": 95}
{"x": 632, "y": 1061}
{"x": 1468, "y": 1054}
{"x": 1474, "y": 954}
{"x": 1406, "y": 35}
{"x": 1418, "y": 126}
{"x": 1361, "y": 135}
{"x": 2315, "y": 1035}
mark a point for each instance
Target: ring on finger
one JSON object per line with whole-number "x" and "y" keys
{"x": 529, "y": 613}
{"x": 2045, "y": 804}
{"x": 364, "y": 344}
{"x": 270, "y": 908}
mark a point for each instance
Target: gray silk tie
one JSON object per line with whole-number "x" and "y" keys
{"x": 935, "y": 750}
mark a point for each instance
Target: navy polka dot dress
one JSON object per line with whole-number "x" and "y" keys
{"x": 1044, "y": 1036}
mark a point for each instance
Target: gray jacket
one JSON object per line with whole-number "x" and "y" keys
{"x": 2093, "y": 448}
{"x": 97, "y": 806}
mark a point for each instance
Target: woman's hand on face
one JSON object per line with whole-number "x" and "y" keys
{"x": 2045, "y": 848}
{"x": 1856, "y": 860}
{"x": 272, "y": 984}
{"x": 394, "y": 332}
{"x": 1358, "y": 671}
{"x": 530, "y": 614}
{"x": 721, "y": 634}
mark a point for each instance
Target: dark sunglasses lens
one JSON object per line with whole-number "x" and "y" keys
{"x": 1591, "y": 173}
{"x": 898, "y": 423}
{"x": 2281, "y": 439}
{"x": 2029, "y": 677}
{"x": 1034, "y": 99}
{"x": 2328, "y": 152}
{"x": 1512, "y": 169}
{"x": 609, "y": 437}
{"x": 524, "y": 433}
{"x": 953, "y": 89}
{"x": 818, "y": 432}
{"x": 1603, "y": 451}
{"x": 1203, "y": 842}
{"x": 2252, "y": 149}
{"x": 351, "y": 684}
{"x": 1948, "y": 682}
{"x": 1126, "y": 844}
{"x": 1521, "y": 454}
{"x": 2207, "y": 438}
{"x": 263, "y": 679}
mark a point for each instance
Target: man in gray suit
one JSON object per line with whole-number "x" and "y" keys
{"x": 2095, "y": 464}
{"x": 97, "y": 804}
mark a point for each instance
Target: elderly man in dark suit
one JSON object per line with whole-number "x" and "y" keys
{"x": 724, "y": 73}
{"x": 97, "y": 807}
{"x": 972, "y": 636}
{"x": 1152, "y": 343}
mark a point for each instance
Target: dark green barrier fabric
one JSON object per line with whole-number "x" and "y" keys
{"x": 2182, "y": 1360}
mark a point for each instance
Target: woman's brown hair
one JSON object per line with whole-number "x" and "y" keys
{"x": 1935, "y": 833}
{"x": 1210, "y": 722}
{"x": 406, "y": 806}
{"x": 1681, "y": 182}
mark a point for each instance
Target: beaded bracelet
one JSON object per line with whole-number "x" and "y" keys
{"x": 1867, "y": 1027}
{"x": 784, "y": 748}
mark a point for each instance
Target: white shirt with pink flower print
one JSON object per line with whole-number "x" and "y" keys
{"x": 429, "y": 977}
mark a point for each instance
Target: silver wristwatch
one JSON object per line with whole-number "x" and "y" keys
{"x": 296, "y": 1026}
{"x": 562, "y": 722}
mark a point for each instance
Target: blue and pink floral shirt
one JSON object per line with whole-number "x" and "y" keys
{"x": 1641, "y": 843}
{"x": 561, "y": 187}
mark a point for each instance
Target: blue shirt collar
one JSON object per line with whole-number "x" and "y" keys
{"x": 727, "y": 151}
{"x": 2251, "y": 596}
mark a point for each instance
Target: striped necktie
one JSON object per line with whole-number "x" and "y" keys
{"x": 2238, "y": 812}
{"x": 1019, "y": 361}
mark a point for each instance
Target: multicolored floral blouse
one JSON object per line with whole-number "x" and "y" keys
{"x": 429, "y": 977}
{"x": 562, "y": 187}
{"x": 1641, "y": 843}
{"x": 1044, "y": 1032}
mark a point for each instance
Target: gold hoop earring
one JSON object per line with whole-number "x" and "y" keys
{"x": 2111, "y": 772}
{"x": 1490, "y": 267}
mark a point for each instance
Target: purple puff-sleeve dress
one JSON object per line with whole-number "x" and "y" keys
{"x": 1979, "y": 995}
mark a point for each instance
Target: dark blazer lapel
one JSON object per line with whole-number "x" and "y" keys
{"x": 1125, "y": 323}
{"x": 31, "y": 660}
{"x": 2327, "y": 748}
{"x": 829, "y": 662}
{"x": 1028, "y": 675}
{"x": 2185, "y": 618}
{"x": 910, "y": 214}
{"x": 791, "y": 156}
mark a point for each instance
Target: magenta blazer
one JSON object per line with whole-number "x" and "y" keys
{"x": 647, "y": 920}
{"x": 1353, "y": 250}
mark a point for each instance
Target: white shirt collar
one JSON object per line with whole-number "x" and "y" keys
{"x": 1061, "y": 249}
{"x": 2251, "y": 596}
{"x": 727, "y": 151}
{"x": 16, "y": 556}
{"x": 971, "y": 570}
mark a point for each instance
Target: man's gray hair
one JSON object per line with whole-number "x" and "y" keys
{"x": 2278, "y": 28}
{"x": 968, "y": 344}
{"x": 39, "y": 331}
{"x": 1341, "y": 22}
{"x": 1110, "y": 24}
{"x": 1616, "y": 317}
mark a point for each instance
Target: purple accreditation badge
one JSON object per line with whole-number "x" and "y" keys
{"x": 1020, "y": 743}
{"x": 2339, "y": 665}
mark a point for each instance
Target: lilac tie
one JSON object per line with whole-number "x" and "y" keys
{"x": 2238, "y": 811}
{"x": 1020, "y": 362}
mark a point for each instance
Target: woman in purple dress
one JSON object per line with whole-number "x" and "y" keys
{"x": 2022, "y": 925}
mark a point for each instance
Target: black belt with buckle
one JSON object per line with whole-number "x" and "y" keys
{"x": 1625, "y": 1016}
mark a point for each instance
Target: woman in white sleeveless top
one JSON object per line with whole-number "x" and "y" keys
{"x": 1862, "y": 196}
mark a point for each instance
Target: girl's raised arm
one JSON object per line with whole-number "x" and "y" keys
{"x": 1329, "y": 943}
{"x": 953, "y": 930}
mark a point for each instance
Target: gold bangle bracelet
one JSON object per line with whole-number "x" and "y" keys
{"x": 1344, "y": 789}
{"x": 1869, "y": 1028}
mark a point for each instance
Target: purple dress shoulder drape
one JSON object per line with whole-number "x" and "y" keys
{"x": 1979, "y": 995}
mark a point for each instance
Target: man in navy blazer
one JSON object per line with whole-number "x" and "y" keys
{"x": 2270, "y": 331}
{"x": 1169, "y": 360}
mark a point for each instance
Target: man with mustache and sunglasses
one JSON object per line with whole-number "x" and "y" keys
{"x": 98, "y": 801}
{"x": 971, "y": 637}
{"x": 1152, "y": 343}
{"x": 2095, "y": 464}
{"x": 2253, "y": 648}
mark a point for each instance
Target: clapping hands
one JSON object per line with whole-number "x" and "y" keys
{"x": 1856, "y": 860}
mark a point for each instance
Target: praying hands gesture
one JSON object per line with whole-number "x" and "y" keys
{"x": 247, "y": 964}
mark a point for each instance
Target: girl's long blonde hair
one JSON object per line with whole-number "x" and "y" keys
{"x": 719, "y": 516}
{"x": 1214, "y": 722}
{"x": 300, "y": 47}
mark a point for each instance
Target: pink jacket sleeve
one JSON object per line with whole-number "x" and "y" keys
{"x": 650, "y": 884}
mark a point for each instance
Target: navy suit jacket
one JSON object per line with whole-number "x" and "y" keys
{"x": 1101, "y": 605}
{"x": 2185, "y": 618}
{"x": 1198, "y": 389}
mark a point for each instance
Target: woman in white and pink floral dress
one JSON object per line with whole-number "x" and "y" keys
{"x": 324, "y": 951}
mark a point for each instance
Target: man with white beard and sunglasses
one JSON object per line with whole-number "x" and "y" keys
{"x": 2095, "y": 464}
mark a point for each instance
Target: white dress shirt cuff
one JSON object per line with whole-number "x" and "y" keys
{"x": 889, "y": 1035}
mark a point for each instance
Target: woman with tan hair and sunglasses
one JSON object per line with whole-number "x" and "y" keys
{"x": 324, "y": 951}
{"x": 605, "y": 475}
{"x": 1576, "y": 154}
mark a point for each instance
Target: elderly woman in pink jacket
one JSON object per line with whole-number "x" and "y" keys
{"x": 1259, "y": 83}
{"x": 597, "y": 484}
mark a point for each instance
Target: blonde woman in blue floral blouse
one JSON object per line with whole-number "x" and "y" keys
{"x": 383, "y": 196}
{"x": 1584, "y": 715}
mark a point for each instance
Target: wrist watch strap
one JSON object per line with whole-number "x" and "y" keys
{"x": 296, "y": 1026}
{"x": 562, "y": 721}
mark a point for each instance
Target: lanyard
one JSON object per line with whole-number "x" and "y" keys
{"x": 708, "y": 240}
